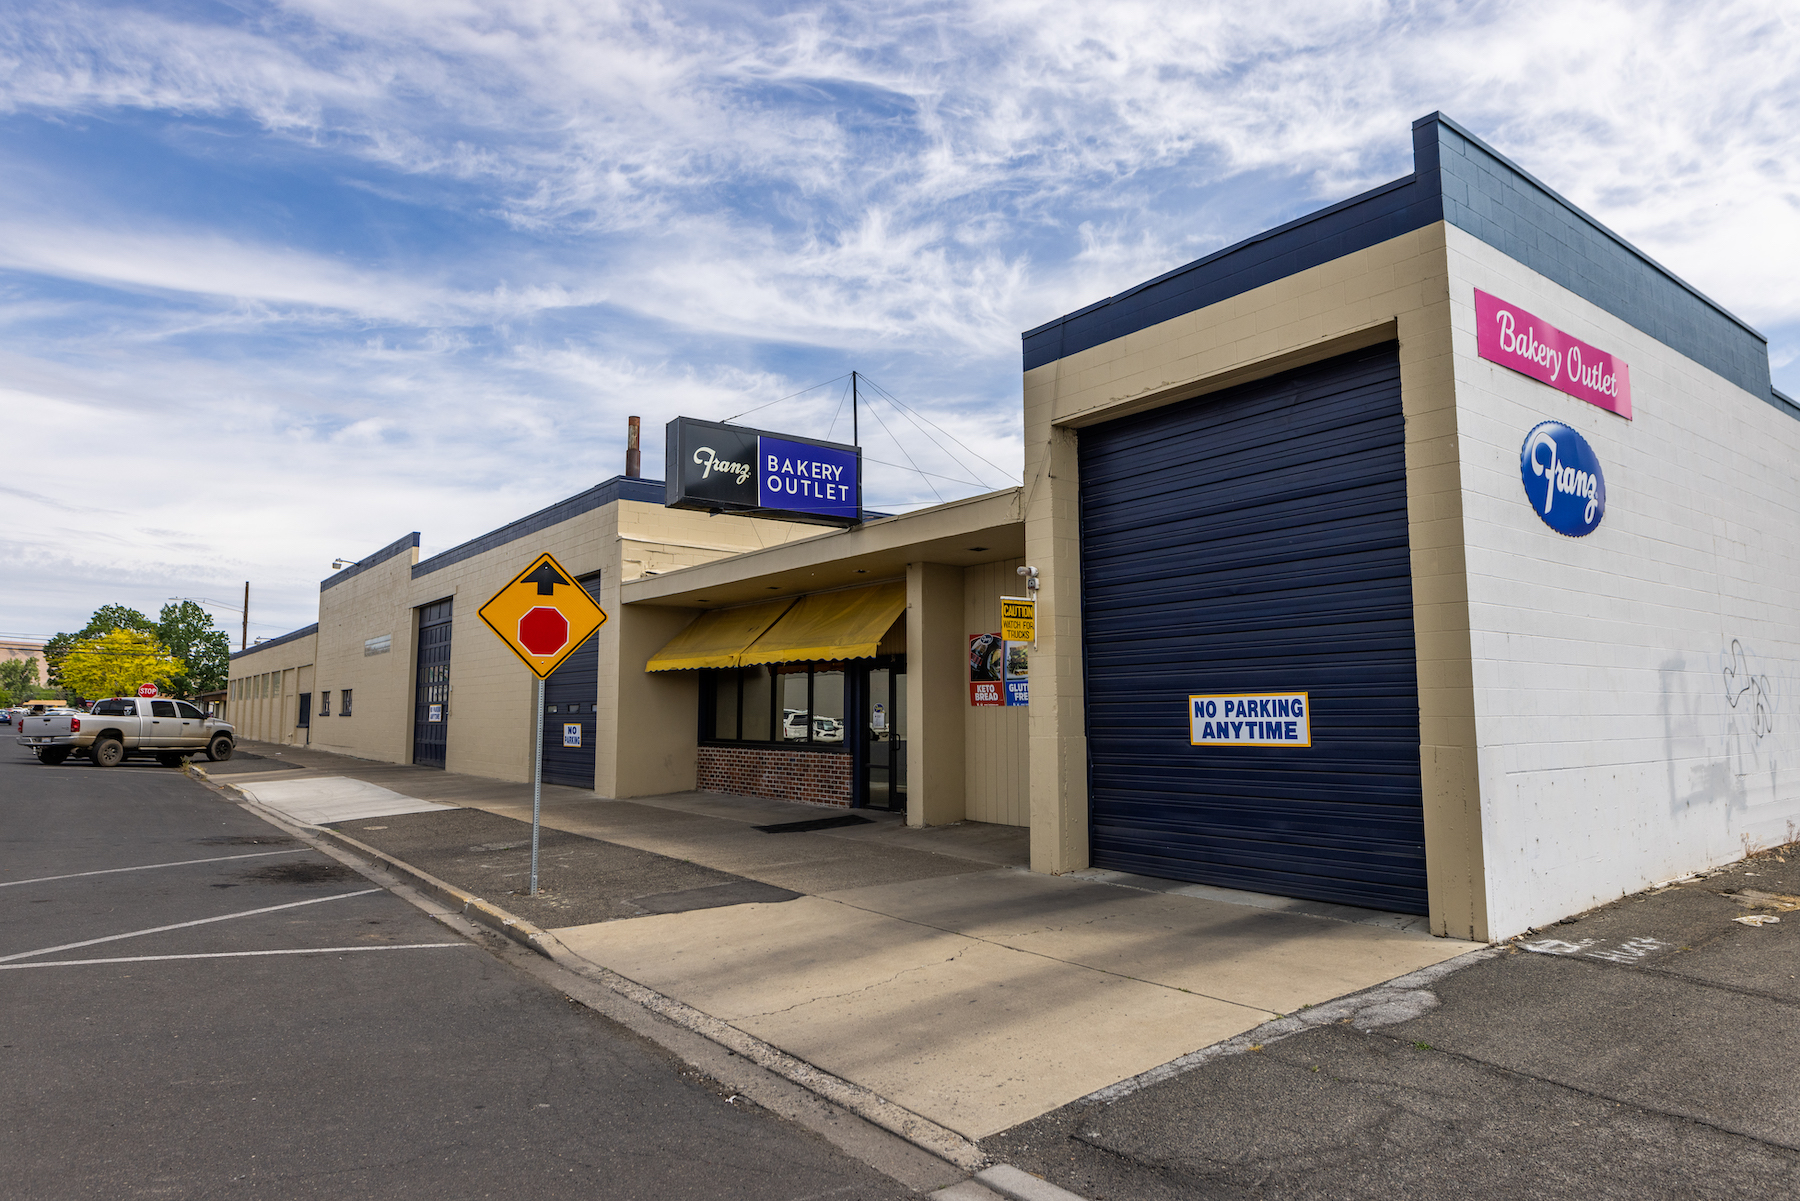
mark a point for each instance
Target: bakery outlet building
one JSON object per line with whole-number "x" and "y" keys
{"x": 1437, "y": 552}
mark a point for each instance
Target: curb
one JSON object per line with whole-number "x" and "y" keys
{"x": 871, "y": 1106}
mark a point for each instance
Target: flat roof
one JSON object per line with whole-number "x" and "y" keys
{"x": 962, "y": 533}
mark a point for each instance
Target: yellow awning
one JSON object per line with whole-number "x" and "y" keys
{"x": 717, "y": 638}
{"x": 831, "y": 625}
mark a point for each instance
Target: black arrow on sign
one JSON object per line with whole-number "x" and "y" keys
{"x": 546, "y": 578}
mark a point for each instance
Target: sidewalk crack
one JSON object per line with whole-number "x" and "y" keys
{"x": 763, "y": 1013}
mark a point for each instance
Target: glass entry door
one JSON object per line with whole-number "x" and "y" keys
{"x": 885, "y": 731}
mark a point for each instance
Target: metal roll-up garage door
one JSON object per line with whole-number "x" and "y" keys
{"x": 569, "y": 718}
{"x": 1255, "y": 541}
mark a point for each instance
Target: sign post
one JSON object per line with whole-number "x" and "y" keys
{"x": 543, "y": 615}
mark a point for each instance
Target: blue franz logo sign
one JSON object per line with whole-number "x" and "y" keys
{"x": 1562, "y": 479}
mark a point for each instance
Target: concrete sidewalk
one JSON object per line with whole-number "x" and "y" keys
{"x": 926, "y": 966}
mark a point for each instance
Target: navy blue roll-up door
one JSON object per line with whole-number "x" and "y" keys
{"x": 569, "y": 701}
{"x": 1255, "y": 541}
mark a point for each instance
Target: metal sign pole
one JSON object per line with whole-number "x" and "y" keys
{"x": 537, "y": 784}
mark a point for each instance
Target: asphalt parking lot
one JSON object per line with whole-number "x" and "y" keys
{"x": 197, "y": 1006}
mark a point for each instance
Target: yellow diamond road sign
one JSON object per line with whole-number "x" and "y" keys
{"x": 543, "y": 615}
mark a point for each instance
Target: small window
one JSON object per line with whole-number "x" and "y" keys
{"x": 162, "y": 708}
{"x": 117, "y": 707}
{"x": 189, "y": 711}
{"x": 344, "y": 703}
{"x": 325, "y": 703}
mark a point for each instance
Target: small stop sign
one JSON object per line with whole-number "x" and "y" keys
{"x": 543, "y": 631}
{"x": 146, "y": 689}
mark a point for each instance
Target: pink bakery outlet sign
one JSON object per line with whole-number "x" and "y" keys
{"x": 1506, "y": 334}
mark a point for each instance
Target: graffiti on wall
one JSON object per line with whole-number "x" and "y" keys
{"x": 1751, "y": 710}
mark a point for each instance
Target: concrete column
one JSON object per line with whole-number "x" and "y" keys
{"x": 1058, "y": 738}
{"x": 937, "y": 650}
{"x": 1455, "y": 861}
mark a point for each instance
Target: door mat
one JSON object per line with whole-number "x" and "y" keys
{"x": 817, "y": 823}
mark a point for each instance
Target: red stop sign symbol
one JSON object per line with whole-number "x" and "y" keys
{"x": 146, "y": 689}
{"x": 543, "y": 631}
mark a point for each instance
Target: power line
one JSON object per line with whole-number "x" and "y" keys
{"x": 1005, "y": 474}
{"x": 890, "y": 433}
{"x": 802, "y": 392}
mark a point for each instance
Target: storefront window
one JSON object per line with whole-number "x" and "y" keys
{"x": 757, "y": 703}
{"x": 828, "y": 703}
{"x": 782, "y": 702}
{"x": 796, "y": 707}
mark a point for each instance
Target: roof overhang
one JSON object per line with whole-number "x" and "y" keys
{"x": 981, "y": 529}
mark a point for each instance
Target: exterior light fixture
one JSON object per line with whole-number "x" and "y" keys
{"x": 1031, "y": 578}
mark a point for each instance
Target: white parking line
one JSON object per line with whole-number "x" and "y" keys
{"x": 406, "y": 946}
{"x": 148, "y": 866}
{"x": 224, "y": 917}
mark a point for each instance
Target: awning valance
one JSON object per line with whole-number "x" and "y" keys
{"x": 831, "y": 625}
{"x": 718, "y": 638}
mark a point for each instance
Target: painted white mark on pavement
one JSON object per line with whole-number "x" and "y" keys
{"x": 404, "y": 946}
{"x": 148, "y": 866}
{"x": 1556, "y": 946}
{"x": 1631, "y": 950}
{"x": 224, "y": 917}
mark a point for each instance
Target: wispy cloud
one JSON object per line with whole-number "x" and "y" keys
{"x": 383, "y": 253}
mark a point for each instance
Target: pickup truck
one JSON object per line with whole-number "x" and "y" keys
{"x": 127, "y": 725}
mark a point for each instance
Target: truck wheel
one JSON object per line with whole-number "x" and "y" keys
{"x": 219, "y": 749}
{"x": 106, "y": 752}
{"x": 170, "y": 758}
{"x": 53, "y": 755}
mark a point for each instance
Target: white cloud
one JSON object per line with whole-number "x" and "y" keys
{"x": 661, "y": 208}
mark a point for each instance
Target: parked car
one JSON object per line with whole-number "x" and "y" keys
{"x": 828, "y": 729}
{"x": 113, "y": 730}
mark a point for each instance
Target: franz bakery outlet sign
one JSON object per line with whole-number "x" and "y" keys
{"x": 734, "y": 469}
{"x": 1506, "y": 334}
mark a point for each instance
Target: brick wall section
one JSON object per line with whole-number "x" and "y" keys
{"x": 818, "y": 777}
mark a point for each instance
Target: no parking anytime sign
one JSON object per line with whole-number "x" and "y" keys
{"x": 1250, "y": 719}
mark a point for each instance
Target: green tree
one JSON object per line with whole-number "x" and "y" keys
{"x": 105, "y": 620}
{"x": 115, "y": 663}
{"x": 187, "y": 631}
{"x": 20, "y": 678}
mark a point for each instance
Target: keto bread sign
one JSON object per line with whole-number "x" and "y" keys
{"x": 734, "y": 469}
{"x": 1250, "y": 719}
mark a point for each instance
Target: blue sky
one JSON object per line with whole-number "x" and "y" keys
{"x": 282, "y": 282}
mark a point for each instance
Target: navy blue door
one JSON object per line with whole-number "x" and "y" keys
{"x": 431, "y": 690}
{"x": 1255, "y": 541}
{"x": 569, "y": 719}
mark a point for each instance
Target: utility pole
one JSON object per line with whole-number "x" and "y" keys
{"x": 244, "y": 640}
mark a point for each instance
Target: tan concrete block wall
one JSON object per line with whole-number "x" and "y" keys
{"x": 937, "y": 694}
{"x": 997, "y": 769}
{"x": 271, "y": 681}
{"x": 371, "y": 603}
{"x": 1396, "y": 290}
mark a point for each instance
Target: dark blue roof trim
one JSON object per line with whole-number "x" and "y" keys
{"x": 1356, "y": 224}
{"x": 1492, "y": 198}
{"x": 302, "y": 632}
{"x": 387, "y": 552}
{"x": 619, "y": 487}
{"x": 1459, "y": 179}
